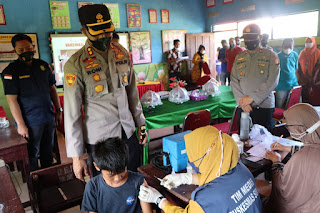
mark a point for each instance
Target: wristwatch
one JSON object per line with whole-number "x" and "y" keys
{"x": 159, "y": 200}
{"x": 60, "y": 109}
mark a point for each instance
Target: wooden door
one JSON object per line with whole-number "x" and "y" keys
{"x": 194, "y": 40}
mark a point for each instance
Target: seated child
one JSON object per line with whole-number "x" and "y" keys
{"x": 116, "y": 189}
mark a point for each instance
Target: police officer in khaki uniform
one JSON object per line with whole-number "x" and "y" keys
{"x": 254, "y": 76}
{"x": 100, "y": 80}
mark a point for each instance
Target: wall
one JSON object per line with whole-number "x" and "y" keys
{"x": 29, "y": 16}
{"x": 264, "y": 8}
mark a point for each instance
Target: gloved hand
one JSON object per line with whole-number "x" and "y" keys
{"x": 175, "y": 180}
{"x": 150, "y": 195}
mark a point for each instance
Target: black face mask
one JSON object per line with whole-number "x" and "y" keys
{"x": 231, "y": 45}
{"x": 264, "y": 43}
{"x": 252, "y": 45}
{"x": 102, "y": 43}
{"x": 26, "y": 56}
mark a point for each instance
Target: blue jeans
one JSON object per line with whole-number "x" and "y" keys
{"x": 281, "y": 98}
{"x": 40, "y": 143}
{"x": 223, "y": 77}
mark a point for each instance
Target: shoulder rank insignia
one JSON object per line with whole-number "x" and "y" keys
{"x": 90, "y": 51}
{"x": 125, "y": 79}
{"x": 240, "y": 59}
{"x": 99, "y": 88}
{"x": 96, "y": 77}
{"x": 70, "y": 79}
{"x": 42, "y": 67}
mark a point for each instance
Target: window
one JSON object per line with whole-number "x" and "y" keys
{"x": 290, "y": 26}
{"x": 299, "y": 25}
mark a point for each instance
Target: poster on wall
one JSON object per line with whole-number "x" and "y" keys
{"x": 134, "y": 15}
{"x": 169, "y": 35}
{"x": 6, "y": 50}
{"x": 248, "y": 8}
{"x": 227, "y": 1}
{"x": 141, "y": 47}
{"x": 63, "y": 47}
{"x": 2, "y": 16}
{"x": 153, "y": 16}
{"x": 211, "y": 3}
{"x": 165, "y": 16}
{"x": 114, "y": 13}
{"x": 81, "y": 4}
{"x": 293, "y": 1}
{"x": 60, "y": 15}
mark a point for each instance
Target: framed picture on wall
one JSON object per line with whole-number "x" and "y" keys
{"x": 134, "y": 15}
{"x": 153, "y": 16}
{"x": 168, "y": 36}
{"x": 227, "y": 1}
{"x": 165, "y": 16}
{"x": 141, "y": 47}
{"x": 2, "y": 16}
{"x": 7, "y": 52}
{"x": 211, "y": 3}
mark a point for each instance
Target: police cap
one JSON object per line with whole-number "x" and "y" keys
{"x": 251, "y": 32}
{"x": 96, "y": 18}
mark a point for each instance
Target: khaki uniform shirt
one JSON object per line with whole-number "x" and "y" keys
{"x": 107, "y": 91}
{"x": 256, "y": 76}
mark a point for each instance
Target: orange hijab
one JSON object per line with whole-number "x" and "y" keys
{"x": 309, "y": 57}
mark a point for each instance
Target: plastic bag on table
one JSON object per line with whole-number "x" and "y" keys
{"x": 178, "y": 95}
{"x": 151, "y": 99}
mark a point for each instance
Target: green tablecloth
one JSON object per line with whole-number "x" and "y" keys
{"x": 172, "y": 114}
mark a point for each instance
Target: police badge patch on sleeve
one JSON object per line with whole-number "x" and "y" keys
{"x": 70, "y": 79}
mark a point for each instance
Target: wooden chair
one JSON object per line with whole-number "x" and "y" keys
{"x": 55, "y": 189}
{"x": 293, "y": 98}
{"x": 230, "y": 127}
{"x": 196, "y": 119}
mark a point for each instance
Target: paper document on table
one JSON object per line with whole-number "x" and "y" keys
{"x": 254, "y": 159}
{"x": 259, "y": 150}
{"x": 287, "y": 142}
{"x": 182, "y": 58}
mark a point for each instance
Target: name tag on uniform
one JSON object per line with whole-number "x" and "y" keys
{"x": 240, "y": 59}
{"x": 262, "y": 65}
{"x": 24, "y": 76}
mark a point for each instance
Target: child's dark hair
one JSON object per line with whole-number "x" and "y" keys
{"x": 175, "y": 41}
{"x": 111, "y": 155}
{"x": 115, "y": 35}
{"x": 20, "y": 37}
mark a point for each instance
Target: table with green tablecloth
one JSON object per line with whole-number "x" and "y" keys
{"x": 172, "y": 114}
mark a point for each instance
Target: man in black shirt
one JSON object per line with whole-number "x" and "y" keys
{"x": 29, "y": 86}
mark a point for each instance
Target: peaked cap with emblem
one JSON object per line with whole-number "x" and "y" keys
{"x": 96, "y": 18}
{"x": 251, "y": 32}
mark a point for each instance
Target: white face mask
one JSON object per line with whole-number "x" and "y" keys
{"x": 287, "y": 51}
{"x": 203, "y": 52}
{"x": 309, "y": 45}
{"x": 298, "y": 136}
